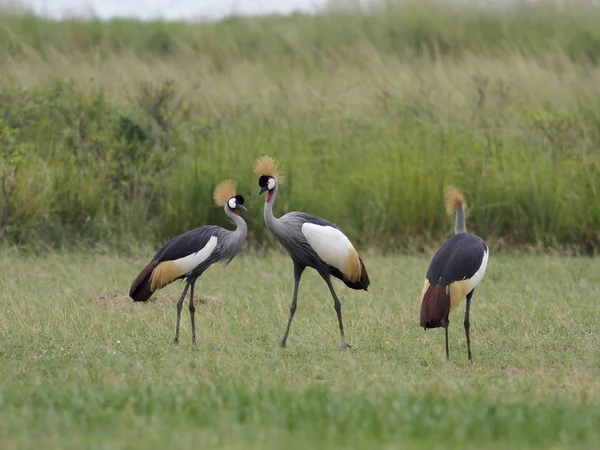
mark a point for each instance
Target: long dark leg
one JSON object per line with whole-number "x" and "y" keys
{"x": 179, "y": 307}
{"x": 298, "y": 269}
{"x": 446, "y": 330}
{"x": 468, "y": 324}
{"x": 192, "y": 311}
{"x": 338, "y": 309}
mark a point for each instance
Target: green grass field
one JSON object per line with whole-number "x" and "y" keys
{"x": 114, "y": 134}
{"x": 81, "y": 366}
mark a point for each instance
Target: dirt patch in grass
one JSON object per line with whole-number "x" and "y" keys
{"x": 118, "y": 301}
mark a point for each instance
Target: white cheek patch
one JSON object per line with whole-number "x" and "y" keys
{"x": 232, "y": 203}
{"x": 271, "y": 184}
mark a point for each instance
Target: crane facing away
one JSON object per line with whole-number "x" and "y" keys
{"x": 311, "y": 242}
{"x": 455, "y": 270}
{"x": 188, "y": 255}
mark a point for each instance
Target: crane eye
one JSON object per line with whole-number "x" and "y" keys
{"x": 231, "y": 203}
{"x": 271, "y": 184}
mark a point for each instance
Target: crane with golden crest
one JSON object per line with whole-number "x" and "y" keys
{"x": 311, "y": 242}
{"x": 455, "y": 270}
{"x": 188, "y": 255}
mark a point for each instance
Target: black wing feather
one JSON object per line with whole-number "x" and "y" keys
{"x": 458, "y": 259}
{"x": 187, "y": 243}
{"x": 315, "y": 219}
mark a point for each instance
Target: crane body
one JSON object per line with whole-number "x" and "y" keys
{"x": 188, "y": 255}
{"x": 310, "y": 241}
{"x": 456, "y": 268}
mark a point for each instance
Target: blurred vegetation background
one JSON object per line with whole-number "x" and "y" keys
{"x": 114, "y": 134}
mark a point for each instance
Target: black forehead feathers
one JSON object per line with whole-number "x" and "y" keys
{"x": 263, "y": 180}
{"x": 239, "y": 199}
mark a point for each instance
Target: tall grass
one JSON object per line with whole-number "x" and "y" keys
{"x": 446, "y": 27}
{"x": 117, "y": 132}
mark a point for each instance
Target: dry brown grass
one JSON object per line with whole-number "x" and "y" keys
{"x": 353, "y": 86}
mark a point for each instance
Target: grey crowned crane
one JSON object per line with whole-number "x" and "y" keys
{"x": 188, "y": 255}
{"x": 455, "y": 270}
{"x": 311, "y": 242}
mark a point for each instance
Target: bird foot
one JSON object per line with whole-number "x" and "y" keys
{"x": 282, "y": 345}
{"x": 345, "y": 346}
{"x": 176, "y": 341}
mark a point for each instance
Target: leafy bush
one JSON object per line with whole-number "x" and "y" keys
{"x": 116, "y": 133}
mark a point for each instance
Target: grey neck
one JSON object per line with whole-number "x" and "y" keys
{"x": 271, "y": 221}
{"x": 242, "y": 229}
{"x": 460, "y": 226}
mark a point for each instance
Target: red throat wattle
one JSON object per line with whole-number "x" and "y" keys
{"x": 269, "y": 195}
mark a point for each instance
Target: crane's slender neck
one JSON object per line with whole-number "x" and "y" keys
{"x": 239, "y": 234}
{"x": 271, "y": 221}
{"x": 460, "y": 226}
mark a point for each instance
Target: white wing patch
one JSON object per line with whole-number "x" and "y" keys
{"x": 478, "y": 276}
{"x": 190, "y": 262}
{"x": 329, "y": 243}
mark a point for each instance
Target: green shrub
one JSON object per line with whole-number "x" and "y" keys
{"x": 118, "y": 132}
